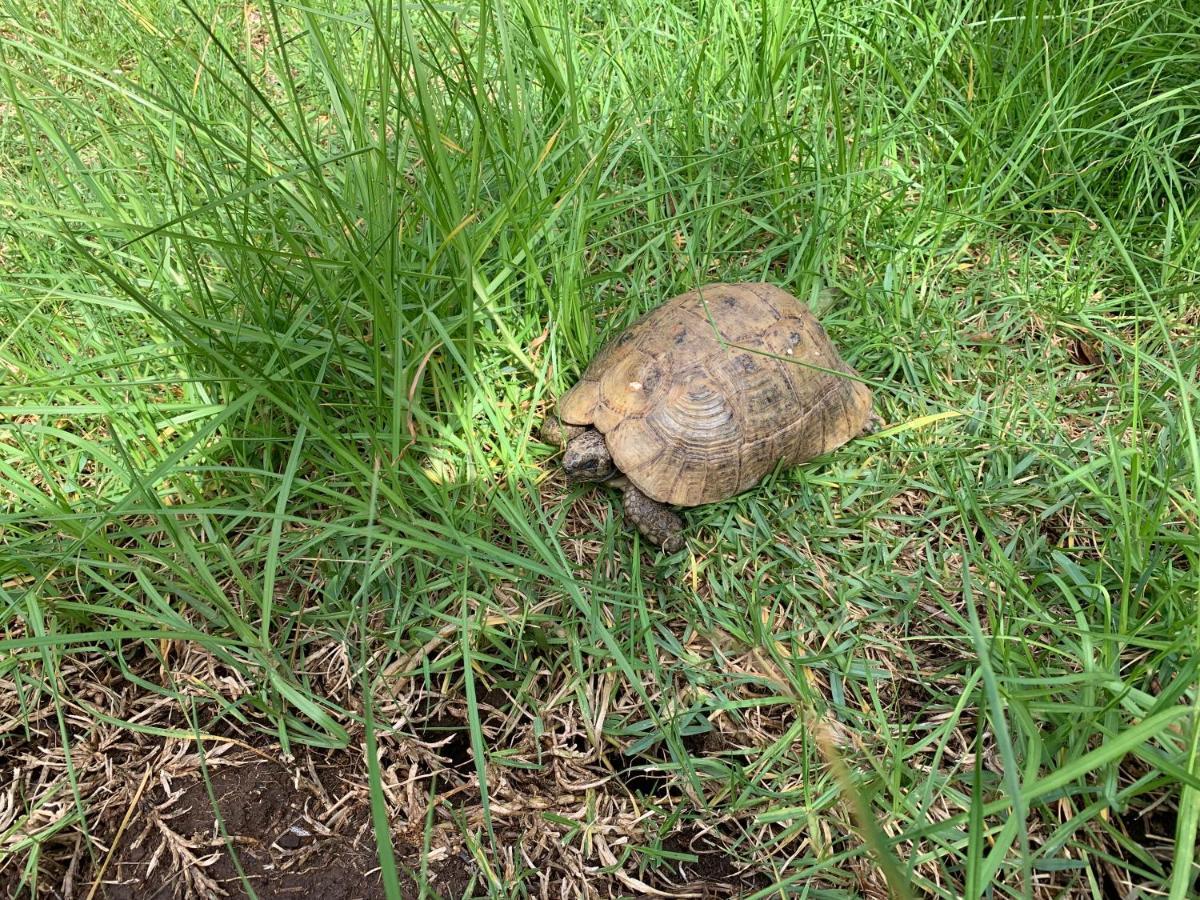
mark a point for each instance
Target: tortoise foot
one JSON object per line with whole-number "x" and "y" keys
{"x": 557, "y": 433}
{"x": 657, "y": 523}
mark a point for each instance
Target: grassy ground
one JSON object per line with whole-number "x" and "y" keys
{"x": 284, "y": 290}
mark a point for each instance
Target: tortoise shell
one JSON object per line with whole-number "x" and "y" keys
{"x": 701, "y": 397}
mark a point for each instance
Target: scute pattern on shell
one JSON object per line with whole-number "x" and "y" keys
{"x": 692, "y": 418}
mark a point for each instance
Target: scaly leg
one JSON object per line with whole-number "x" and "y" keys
{"x": 558, "y": 434}
{"x": 654, "y": 520}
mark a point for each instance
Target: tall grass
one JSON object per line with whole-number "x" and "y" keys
{"x": 286, "y": 290}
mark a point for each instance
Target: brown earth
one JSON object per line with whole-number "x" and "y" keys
{"x": 276, "y": 827}
{"x": 571, "y": 815}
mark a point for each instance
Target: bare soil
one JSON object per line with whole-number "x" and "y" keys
{"x": 230, "y": 816}
{"x": 275, "y": 826}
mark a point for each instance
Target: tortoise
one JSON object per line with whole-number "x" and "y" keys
{"x": 703, "y": 396}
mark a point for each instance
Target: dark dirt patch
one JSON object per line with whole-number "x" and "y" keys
{"x": 714, "y": 872}
{"x": 700, "y": 743}
{"x": 450, "y": 740}
{"x": 642, "y": 779}
{"x": 640, "y": 773}
{"x": 279, "y": 833}
{"x": 10, "y": 881}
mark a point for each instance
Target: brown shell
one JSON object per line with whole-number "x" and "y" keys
{"x": 691, "y": 418}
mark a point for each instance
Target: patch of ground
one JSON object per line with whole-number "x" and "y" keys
{"x": 236, "y": 816}
{"x": 573, "y": 813}
{"x": 288, "y": 833}
{"x": 714, "y": 872}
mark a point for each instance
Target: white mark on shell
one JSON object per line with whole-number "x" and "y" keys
{"x": 635, "y": 385}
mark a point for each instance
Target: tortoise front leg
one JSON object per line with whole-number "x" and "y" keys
{"x": 557, "y": 433}
{"x": 654, "y": 520}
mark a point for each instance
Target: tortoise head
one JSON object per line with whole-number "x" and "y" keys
{"x": 587, "y": 458}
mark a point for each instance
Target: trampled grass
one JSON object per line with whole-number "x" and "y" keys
{"x": 286, "y": 289}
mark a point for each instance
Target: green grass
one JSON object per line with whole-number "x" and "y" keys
{"x": 285, "y": 290}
